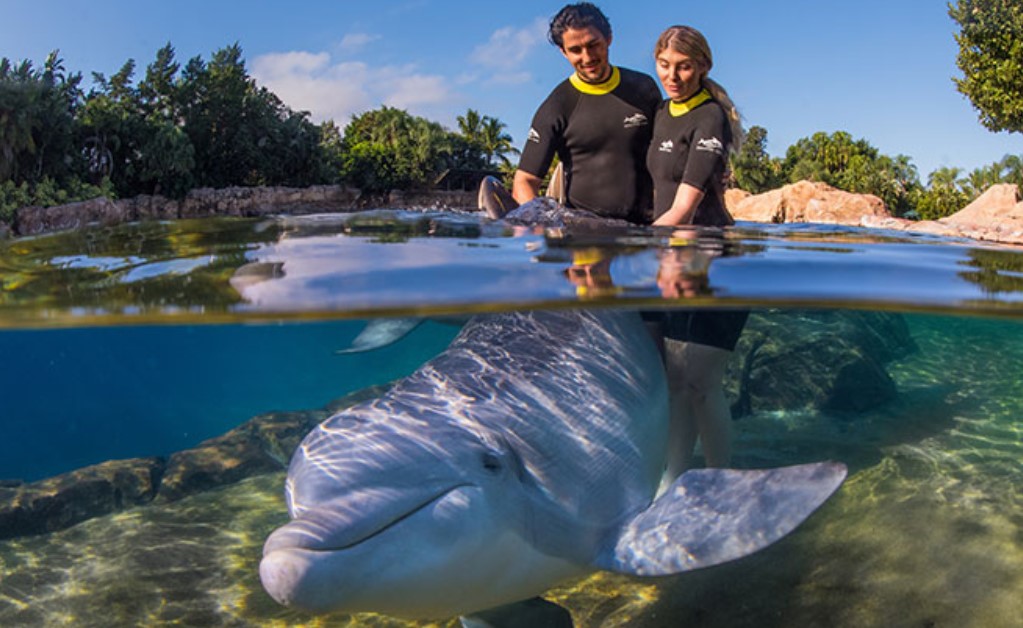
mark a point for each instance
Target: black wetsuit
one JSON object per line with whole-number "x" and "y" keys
{"x": 692, "y": 147}
{"x": 601, "y": 134}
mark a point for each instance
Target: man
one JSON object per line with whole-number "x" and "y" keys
{"x": 597, "y": 122}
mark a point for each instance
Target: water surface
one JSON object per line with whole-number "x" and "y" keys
{"x": 144, "y": 340}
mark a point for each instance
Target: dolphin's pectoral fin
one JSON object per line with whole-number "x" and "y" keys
{"x": 381, "y": 332}
{"x": 532, "y": 613}
{"x": 711, "y": 516}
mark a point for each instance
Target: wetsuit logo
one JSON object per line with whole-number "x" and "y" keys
{"x": 666, "y": 146}
{"x": 635, "y": 120}
{"x": 711, "y": 145}
{"x": 534, "y": 136}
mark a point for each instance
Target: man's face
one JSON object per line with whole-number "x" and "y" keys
{"x": 586, "y": 49}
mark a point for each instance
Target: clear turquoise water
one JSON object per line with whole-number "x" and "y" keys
{"x": 147, "y": 339}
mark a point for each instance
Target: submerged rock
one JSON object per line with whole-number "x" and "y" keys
{"x": 64, "y": 500}
{"x": 258, "y": 446}
{"x": 831, "y": 360}
{"x": 261, "y": 445}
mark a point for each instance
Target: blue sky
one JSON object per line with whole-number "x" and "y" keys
{"x": 879, "y": 69}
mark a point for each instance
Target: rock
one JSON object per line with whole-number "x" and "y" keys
{"x": 100, "y": 210}
{"x": 998, "y": 205}
{"x": 831, "y": 361}
{"x": 264, "y": 444}
{"x": 734, "y": 196}
{"x": 994, "y": 216}
{"x": 261, "y": 445}
{"x": 62, "y": 501}
{"x": 807, "y": 202}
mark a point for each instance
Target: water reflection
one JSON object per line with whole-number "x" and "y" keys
{"x": 400, "y": 262}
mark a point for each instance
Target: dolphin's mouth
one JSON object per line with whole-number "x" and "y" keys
{"x": 341, "y": 526}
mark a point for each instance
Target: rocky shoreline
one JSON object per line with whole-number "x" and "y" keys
{"x": 234, "y": 201}
{"x": 995, "y": 216}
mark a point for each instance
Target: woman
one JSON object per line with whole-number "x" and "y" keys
{"x": 694, "y": 130}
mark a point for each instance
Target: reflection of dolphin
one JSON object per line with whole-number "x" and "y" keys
{"x": 526, "y": 453}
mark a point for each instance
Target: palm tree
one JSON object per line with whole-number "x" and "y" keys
{"x": 495, "y": 142}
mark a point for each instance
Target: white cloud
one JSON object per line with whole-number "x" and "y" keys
{"x": 337, "y": 90}
{"x": 508, "y": 47}
{"x": 354, "y": 42}
{"x": 288, "y": 63}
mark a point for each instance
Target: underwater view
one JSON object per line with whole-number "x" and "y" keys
{"x": 158, "y": 378}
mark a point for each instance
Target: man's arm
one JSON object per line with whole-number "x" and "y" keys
{"x": 525, "y": 186}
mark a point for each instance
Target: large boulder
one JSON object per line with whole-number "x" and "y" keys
{"x": 806, "y": 201}
{"x": 994, "y": 216}
{"x": 831, "y": 361}
{"x": 999, "y": 205}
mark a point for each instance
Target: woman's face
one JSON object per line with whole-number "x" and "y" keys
{"x": 679, "y": 75}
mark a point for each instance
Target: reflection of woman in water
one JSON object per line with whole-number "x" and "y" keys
{"x": 693, "y": 133}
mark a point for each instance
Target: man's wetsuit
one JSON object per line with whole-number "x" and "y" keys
{"x": 690, "y": 145}
{"x": 601, "y": 134}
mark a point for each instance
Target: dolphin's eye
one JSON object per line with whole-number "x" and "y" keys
{"x": 491, "y": 462}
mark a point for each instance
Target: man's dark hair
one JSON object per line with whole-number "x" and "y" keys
{"x": 579, "y": 16}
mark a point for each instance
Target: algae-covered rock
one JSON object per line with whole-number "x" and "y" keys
{"x": 64, "y": 500}
{"x": 829, "y": 360}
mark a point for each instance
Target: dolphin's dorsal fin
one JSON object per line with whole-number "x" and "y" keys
{"x": 711, "y": 516}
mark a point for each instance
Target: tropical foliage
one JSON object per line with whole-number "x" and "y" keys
{"x": 209, "y": 124}
{"x": 206, "y": 124}
{"x": 855, "y": 166}
{"x": 991, "y": 59}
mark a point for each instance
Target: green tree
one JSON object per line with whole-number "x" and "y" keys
{"x": 991, "y": 59}
{"x": 37, "y": 120}
{"x": 496, "y": 144}
{"x": 855, "y": 166}
{"x": 944, "y": 195}
{"x": 752, "y": 168}
{"x": 388, "y": 148}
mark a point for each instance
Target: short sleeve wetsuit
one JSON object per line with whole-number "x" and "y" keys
{"x": 690, "y": 145}
{"x": 601, "y": 134}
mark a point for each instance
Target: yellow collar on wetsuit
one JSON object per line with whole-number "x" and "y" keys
{"x": 681, "y": 108}
{"x": 598, "y": 89}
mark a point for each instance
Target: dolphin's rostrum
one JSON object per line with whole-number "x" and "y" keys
{"x": 526, "y": 453}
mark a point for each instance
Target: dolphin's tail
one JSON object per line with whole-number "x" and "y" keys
{"x": 711, "y": 516}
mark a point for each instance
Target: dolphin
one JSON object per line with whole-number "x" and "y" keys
{"x": 527, "y": 453}
{"x": 380, "y": 332}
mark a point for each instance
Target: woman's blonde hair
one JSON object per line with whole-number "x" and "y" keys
{"x": 691, "y": 42}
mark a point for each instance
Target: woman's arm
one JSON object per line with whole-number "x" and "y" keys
{"x": 683, "y": 208}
